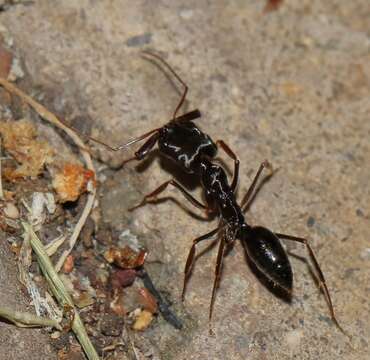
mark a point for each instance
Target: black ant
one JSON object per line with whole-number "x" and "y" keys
{"x": 185, "y": 144}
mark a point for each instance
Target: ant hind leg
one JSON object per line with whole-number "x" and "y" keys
{"x": 321, "y": 278}
{"x": 191, "y": 257}
{"x": 218, "y": 271}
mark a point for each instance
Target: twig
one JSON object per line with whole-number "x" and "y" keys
{"x": 53, "y": 246}
{"x": 24, "y": 263}
{"x": 60, "y": 292}
{"x": 25, "y": 319}
{"x": 49, "y": 116}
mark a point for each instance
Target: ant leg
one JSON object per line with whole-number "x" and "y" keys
{"x": 144, "y": 149}
{"x": 229, "y": 152}
{"x": 245, "y": 202}
{"x": 173, "y": 72}
{"x": 220, "y": 256}
{"x": 190, "y": 258}
{"x": 321, "y": 278}
{"x": 162, "y": 187}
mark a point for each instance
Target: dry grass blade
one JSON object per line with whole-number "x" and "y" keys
{"x": 59, "y": 291}
{"x": 25, "y": 319}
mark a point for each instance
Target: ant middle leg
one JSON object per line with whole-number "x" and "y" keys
{"x": 152, "y": 196}
{"x": 231, "y": 154}
{"x": 248, "y": 196}
{"x": 321, "y": 278}
{"x": 144, "y": 149}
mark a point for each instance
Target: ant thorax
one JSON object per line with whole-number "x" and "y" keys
{"x": 214, "y": 181}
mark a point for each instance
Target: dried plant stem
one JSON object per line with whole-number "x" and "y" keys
{"x": 59, "y": 291}
{"x": 25, "y": 319}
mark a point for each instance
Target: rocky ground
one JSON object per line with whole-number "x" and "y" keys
{"x": 291, "y": 85}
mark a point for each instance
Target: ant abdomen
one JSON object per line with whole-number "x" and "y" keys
{"x": 267, "y": 254}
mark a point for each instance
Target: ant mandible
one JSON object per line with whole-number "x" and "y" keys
{"x": 192, "y": 150}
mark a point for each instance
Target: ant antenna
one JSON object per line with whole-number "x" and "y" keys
{"x": 123, "y": 146}
{"x": 173, "y": 72}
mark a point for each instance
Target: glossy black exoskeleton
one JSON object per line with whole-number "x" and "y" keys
{"x": 265, "y": 251}
{"x": 263, "y": 247}
{"x": 186, "y": 145}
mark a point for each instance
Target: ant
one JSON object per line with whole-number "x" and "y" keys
{"x": 192, "y": 150}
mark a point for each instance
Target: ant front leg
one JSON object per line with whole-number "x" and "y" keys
{"x": 152, "y": 196}
{"x": 321, "y": 278}
{"x": 144, "y": 149}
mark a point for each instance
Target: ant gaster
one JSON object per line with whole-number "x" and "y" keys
{"x": 185, "y": 144}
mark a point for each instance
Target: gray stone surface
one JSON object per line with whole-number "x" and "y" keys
{"x": 292, "y": 87}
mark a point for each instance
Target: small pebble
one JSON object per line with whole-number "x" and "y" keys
{"x": 143, "y": 320}
{"x": 123, "y": 278}
{"x": 148, "y": 301}
{"x": 186, "y": 14}
{"x": 360, "y": 213}
{"x": 310, "y": 221}
{"x": 6, "y": 59}
{"x": 117, "y": 305}
{"x": 293, "y": 338}
{"x": 68, "y": 264}
{"x": 365, "y": 254}
{"x": 139, "y": 40}
{"x": 11, "y": 211}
